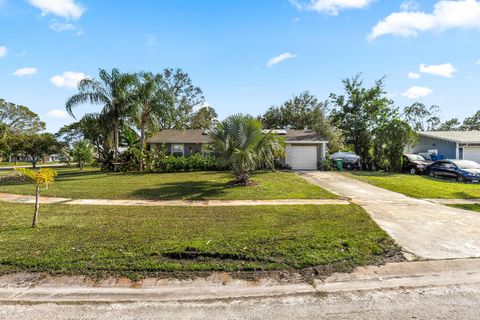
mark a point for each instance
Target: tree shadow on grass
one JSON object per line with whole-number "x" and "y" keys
{"x": 371, "y": 173}
{"x": 186, "y": 190}
{"x": 466, "y": 195}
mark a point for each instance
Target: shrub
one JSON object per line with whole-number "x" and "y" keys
{"x": 163, "y": 162}
{"x": 326, "y": 165}
{"x": 131, "y": 159}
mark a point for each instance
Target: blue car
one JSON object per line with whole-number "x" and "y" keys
{"x": 460, "y": 170}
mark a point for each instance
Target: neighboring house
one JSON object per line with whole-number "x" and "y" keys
{"x": 22, "y": 158}
{"x": 303, "y": 150}
{"x": 179, "y": 142}
{"x": 449, "y": 144}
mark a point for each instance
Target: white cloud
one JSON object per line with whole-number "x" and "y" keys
{"x": 22, "y": 72}
{"x": 275, "y": 60}
{"x": 416, "y": 92}
{"x": 414, "y": 75}
{"x": 477, "y": 62}
{"x": 59, "y": 27}
{"x": 332, "y": 7}
{"x": 67, "y": 9}
{"x": 3, "y": 51}
{"x": 69, "y": 79}
{"x": 57, "y": 114}
{"x": 410, "y": 5}
{"x": 443, "y": 70}
{"x": 447, "y": 14}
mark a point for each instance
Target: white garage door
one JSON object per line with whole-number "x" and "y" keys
{"x": 471, "y": 153}
{"x": 302, "y": 157}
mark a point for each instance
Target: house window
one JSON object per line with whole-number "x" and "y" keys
{"x": 177, "y": 150}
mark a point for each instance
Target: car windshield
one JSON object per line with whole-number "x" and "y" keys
{"x": 466, "y": 164}
{"x": 415, "y": 157}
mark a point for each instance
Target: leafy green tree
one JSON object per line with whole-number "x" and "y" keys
{"x": 359, "y": 112}
{"x": 82, "y": 153}
{"x": 17, "y": 119}
{"x": 471, "y": 123}
{"x": 204, "y": 118}
{"x": 184, "y": 97}
{"x": 239, "y": 141}
{"x": 449, "y": 125}
{"x": 422, "y": 118}
{"x": 389, "y": 144}
{"x": 44, "y": 176}
{"x": 304, "y": 111}
{"x": 5, "y": 149}
{"x": 114, "y": 92}
{"x": 92, "y": 127}
{"x": 37, "y": 146}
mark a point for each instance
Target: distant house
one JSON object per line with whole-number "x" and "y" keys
{"x": 449, "y": 144}
{"x": 304, "y": 148}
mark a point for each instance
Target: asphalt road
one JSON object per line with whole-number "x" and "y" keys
{"x": 445, "y": 302}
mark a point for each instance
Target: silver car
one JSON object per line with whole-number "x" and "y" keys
{"x": 350, "y": 159}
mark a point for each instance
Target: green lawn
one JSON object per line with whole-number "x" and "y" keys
{"x": 471, "y": 207}
{"x": 136, "y": 241}
{"x": 19, "y": 163}
{"x": 419, "y": 186}
{"x": 11, "y": 164}
{"x": 73, "y": 183}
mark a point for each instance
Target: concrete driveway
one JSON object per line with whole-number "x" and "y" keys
{"x": 427, "y": 230}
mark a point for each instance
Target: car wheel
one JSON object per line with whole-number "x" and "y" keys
{"x": 413, "y": 171}
{"x": 461, "y": 178}
{"x": 431, "y": 174}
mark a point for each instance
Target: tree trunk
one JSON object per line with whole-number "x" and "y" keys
{"x": 116, "y": 141}
{"x": 37, "y": 205}
{"x": 142, "y": 145}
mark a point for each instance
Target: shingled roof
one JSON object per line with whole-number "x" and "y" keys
{"x": 180, "y": 136}
{"x": 454, "y": 136}
{"x": 199, "y": 136}
{"x": 303, "y": 135}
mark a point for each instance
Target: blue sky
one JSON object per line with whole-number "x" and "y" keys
{"x": 226, "y": 47}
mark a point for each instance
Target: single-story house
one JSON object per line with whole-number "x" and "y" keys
{"x": 460, "y": 145}
{"x": 303, "y": 150}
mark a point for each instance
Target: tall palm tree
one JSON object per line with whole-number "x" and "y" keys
{"x": 241, "y": 142}
{"x": 148, "y": 103}
{"x": 112, "y": 91}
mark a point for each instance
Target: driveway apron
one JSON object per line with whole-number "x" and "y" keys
{"x": 423, "y": 228}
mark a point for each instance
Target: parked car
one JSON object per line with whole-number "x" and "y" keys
{"x": 414, "y": 163}
{"x": 350, "y": 159}
{"x": 461, "y": 170}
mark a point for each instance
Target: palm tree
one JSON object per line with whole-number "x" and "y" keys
{"x": 130, "y": 138}
{"x": 241, "y": 142}
{"x": 82, "y": 153}
{"x": 113, "y": 91}
{"x": 148, "y": 103}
